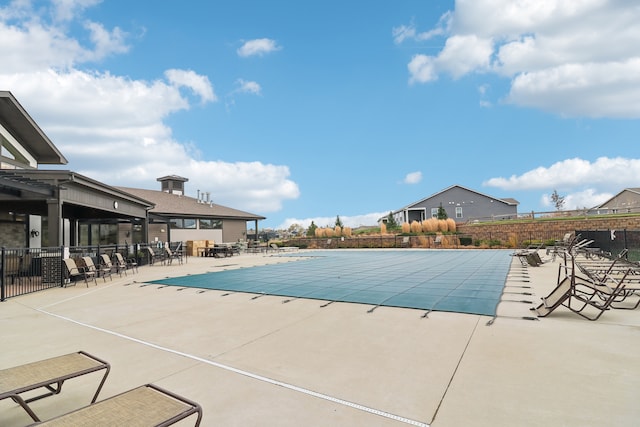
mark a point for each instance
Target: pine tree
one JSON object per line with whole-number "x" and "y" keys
{"x": 391, "y": 222}
{"x": 311, "y": 231}
{"x": 442, "y": 214}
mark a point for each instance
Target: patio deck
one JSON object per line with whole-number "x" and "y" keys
{"x": 261, "y": 362}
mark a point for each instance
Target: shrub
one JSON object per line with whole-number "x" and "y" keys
{"x": 347, "y": 231}
{"x": 406, "y": 228}
{"x": 416, "y": 227}
{"x": 451, "y": 225}
{"x": 383, "y": 228}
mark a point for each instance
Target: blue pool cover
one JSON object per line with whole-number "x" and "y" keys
{"x": 464, "y": 281}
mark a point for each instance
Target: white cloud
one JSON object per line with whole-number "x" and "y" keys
{"x": 606, "y": 172}
{"x": 461, "y": 55}
{"x": 112, "y": 128}
{"x": 409, "y": 32}
{"x": 577, "y": 200}
{"x": 583, "y": 183}
{"x": 587, "y": 90}
{"x": 573, "y": 58}
{"x": 200, "y": 85}
{"x": 105, "y": 42}
{"x": 245, "y": 86}
{"x": 354, "y": 221}
{"x": 65, "y": 10}
{"x": 422, "y": 69}
{"x": 413, "y": 178}
{"x": 259, "y": 47}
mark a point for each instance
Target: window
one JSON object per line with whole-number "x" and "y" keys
{"x": 434, "y": 212}
{"x": 458, "y": 212}
{"x": 186, "y": 223}
{"x": 210, "y": 224}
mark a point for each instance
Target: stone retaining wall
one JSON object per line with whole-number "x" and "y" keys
{"x": 521, "y": 233}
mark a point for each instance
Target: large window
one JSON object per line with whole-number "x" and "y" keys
{"x": 210, "y": 224}
{"x": 434, "y": 212}
{"x": 183, "y": 223}
{"x": 458, "y": 212}
{"x": 95, "y": 234}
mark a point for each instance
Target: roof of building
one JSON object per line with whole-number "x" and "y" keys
{"x": 25, "y": 130}
{"x": 172, "y": 178}
{"x": 603, "y": 205}
{"x": 168, "y": 204}
{"x": 508, "y": 201}
{"x": 53, "y": 177}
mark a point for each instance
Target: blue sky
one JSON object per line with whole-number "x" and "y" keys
{"x": 303, "y": 111}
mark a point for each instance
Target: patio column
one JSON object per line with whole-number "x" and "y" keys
{"x": 54, "y": 217}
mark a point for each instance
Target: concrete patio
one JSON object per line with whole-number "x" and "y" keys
{"x": 259, "y": 361}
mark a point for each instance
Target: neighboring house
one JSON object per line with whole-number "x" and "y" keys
{"x": 176, "y": 217}
{"x": 461, "y": 204}
{"x": 62, "y": 208}
{"x": 626, "y": 201}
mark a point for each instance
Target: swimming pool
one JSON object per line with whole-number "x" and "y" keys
{"x": 464, "y": 281}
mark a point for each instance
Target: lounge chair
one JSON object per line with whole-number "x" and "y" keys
{"x": 119, "y": 264}
{"x": 102, "y": 270}
{"x": 105, "y": 262}
{"x": 555, "y": 299}
{"x": 73, "y": 271}
{"x": 128, "y": 263}
{"x": 153, "y": 257}
{"x": 171, "y": 255}
{"x": 274, "y": 247}
{"x": 49, "y": 374}
{"x": 11, "y": 266}
{"x": 594, "y": 296}
{"x": 588, "y": 296}
{"x": 147, "y": 405}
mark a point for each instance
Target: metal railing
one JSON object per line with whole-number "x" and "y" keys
{"x": 27, "y": 270}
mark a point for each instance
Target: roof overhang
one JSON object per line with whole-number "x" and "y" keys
{"x": 25, "y": 130}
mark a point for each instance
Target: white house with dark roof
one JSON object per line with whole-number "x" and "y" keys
{"x": 460, "y": 203}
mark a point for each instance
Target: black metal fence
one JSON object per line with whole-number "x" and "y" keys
{"x": 23, "y": 271}
{"x": 27, "y": 270}
{"x": 614, "y": 241}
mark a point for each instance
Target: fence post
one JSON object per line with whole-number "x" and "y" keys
{"x": 63, "y": 272}
{"x": 2, "y": 295}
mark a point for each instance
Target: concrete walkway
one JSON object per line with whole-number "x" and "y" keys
{"x": 262, "y": 362}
